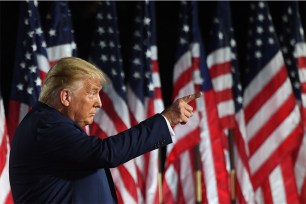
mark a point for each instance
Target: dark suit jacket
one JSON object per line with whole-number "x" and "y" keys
{"x": 52, "y": 159}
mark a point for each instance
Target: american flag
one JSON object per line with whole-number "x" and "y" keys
{"x": 292, "y": 41}
{"x": 144, "y": 93}
{"x": 272, "y": 116}
{"x": 203, "y": 131}
{"x": 5, "y": 192}
{"x": 59, "y": 32}
{"x": 30, "y": 61}
{"x": 224, "y": 70}
{"x": 219, "y": 62}
{"x": 113, "y": 117}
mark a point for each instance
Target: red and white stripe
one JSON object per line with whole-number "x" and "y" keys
{"x": 57, "y": 52}
{"x": 300, "y": 164}
{"x": 219, "y": 65}
{"x": 206, "y": 125}
{"x": 212, "y": 152}
{"x": 147, "y": 164}
{"x": 110, "y": 120}
{"x": 179, "y": 184}
{"x": 244, "y": 188}
{"x": 272, "y": 126}
{"x": 5, "y": 192}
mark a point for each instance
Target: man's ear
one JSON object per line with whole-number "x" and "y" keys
{"x": 65, "y": 97}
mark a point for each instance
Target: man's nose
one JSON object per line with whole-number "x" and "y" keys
{"x": 99, "y": 102}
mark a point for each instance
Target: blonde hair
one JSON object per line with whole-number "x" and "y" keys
{"x": 65, "y": 73}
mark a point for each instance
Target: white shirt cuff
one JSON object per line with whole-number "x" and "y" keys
{"x": 169, "y": 126}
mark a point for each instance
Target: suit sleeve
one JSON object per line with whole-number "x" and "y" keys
{"x": 66, "y": 146}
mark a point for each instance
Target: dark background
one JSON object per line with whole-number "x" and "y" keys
{"x": 83, "y": 16}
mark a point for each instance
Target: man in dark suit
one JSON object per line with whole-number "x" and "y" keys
{"x": 52, "y": 159}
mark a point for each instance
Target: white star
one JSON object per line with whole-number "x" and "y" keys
{"x": 239, "y": 99}
{"x": 216, "y": 20}
{"x": 73, "y": 45}
{"x": 102, "y": 44}
{"x": 111, "y": 44}
{"x": 186, "y": 28}
{"x": 30, "y": 34}
{"x": 28, "y": 55}
{"x": 285, "y": 50}
{"x": 289, "y": 10}
{"x": 104, "y": 58}
{"x": 38, "y": 81}
{"x": 22, "y": 65}
{"x": 39, "y": 31}
{"x": 271, "y": 29}
{"x": 114, "y": 73}
{"x": 271, "y": 41}
{"x": 52, "y": 32}
{"x": 136, "y": 75}
{"x": 233, "y": 43}
{"x": 297, "y": 85}
{"x": 101, "y": 30}
{"x": 109, "y": 16}
{"x": 288, "y": 61}
{"x": 34, "y": 47}
{"x": 32, "y": 69}
{"x": 220, "y": 35}
{"x": 258, "y": 42}
{"x": 44, "y": 44}
{"x": 19, "y": 87}
{"x": 301, "y": 31}
{"x": 261, "y": 4}
{"x": 99, "y": 16}
{"x": 148, "y": 53}
{"x": 259, "y": 30}
{"x": 260, "y": 17}
{"x": 147, "y": 75}
{"x": 123, "y": 88}
{"x": 285, "y": 18}
{"x": 258, "y": 54}
{"x": 137, "y": 33}
{"x": 136, "y": 47}
{"x": 183, "y": 41}
{"x": 26, "y": 21}
{"x": 292, "y": 74}
{"x": 30, "y": 90}
{"x": 292, "y": 42}
{"x": 147, "y": 21}
{"x": 136, "y": 61}
{"x": 110, "y": 30}
{"x": 113, "y": 58}
{"x": 151, "y": 86}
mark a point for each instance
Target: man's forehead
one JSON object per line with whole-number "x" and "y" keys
{"x": 93, "y": 83}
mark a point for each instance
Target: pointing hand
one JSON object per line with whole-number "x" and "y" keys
{"x": 180, "y": 111}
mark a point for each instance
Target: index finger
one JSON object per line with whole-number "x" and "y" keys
{"x": 191, "y": 97}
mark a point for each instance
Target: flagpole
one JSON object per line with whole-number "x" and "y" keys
{"x": 232, "y": 165}
{"x": 198, "y": 181}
